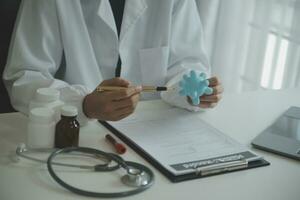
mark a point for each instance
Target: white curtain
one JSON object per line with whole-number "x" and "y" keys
{"x": 253, "y": 44}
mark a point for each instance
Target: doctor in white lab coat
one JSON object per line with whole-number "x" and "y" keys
{"x": 159, "y": 41}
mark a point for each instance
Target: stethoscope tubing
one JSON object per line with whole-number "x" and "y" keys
{"x": 94, "y": 153}
{"x": 119, "y": 160}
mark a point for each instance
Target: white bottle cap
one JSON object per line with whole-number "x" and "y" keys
{"x": 47, "y": 94}
{"x": 69, "y": 111}
{"x": 41, "y": 115}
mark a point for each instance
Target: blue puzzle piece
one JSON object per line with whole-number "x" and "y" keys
{"x": 194, "y": 86}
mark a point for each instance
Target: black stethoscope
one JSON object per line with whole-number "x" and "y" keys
{"x": 137, "y": 175}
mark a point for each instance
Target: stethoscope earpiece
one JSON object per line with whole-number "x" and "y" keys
{"x": 15, "y": 155}
{"x": 21, "y": 148}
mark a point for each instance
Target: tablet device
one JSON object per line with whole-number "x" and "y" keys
{"x": 283, "y": 136}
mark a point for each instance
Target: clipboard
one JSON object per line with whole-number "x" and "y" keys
{"x": 189, "y": 176}
{"x": 181, "y": 145}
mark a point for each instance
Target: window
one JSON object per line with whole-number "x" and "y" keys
{"x": 274, "y": 48}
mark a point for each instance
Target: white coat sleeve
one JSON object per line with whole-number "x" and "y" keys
{"x": 35, "y": 55}
{"x": 186, "y": 51}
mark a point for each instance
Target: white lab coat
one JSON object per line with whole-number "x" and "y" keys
{"x": 159, "y": 39}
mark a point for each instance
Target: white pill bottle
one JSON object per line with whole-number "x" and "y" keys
{"x": 41, "y": 128}
{"x": 47, "y": 98}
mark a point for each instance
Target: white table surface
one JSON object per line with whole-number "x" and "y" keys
{"x": 241, "y": 116}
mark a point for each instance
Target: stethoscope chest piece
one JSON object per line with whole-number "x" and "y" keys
{"x": 135, "y": 178}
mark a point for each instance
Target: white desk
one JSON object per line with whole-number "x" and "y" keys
{"x": 241, "y": 116}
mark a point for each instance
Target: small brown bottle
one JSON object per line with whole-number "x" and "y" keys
{"x": 67, "y": 129}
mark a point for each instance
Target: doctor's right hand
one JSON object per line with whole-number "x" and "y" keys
{"x": 112, "y": 105}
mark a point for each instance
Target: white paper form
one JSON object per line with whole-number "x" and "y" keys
{"x": 179, "y": 139}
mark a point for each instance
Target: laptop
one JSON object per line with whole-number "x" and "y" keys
{"x": 283, "y": 136}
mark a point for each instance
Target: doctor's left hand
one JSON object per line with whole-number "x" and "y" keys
{"x": 112, "y": 105}
{"x": 210, "y": 101}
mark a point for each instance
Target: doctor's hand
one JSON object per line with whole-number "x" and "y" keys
{"x": 210, "y": 101}
{"x": 112, "y": 105}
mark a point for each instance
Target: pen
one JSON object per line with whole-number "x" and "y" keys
{"x": 144, "y": 88}
{"x": 120, "y": 148}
